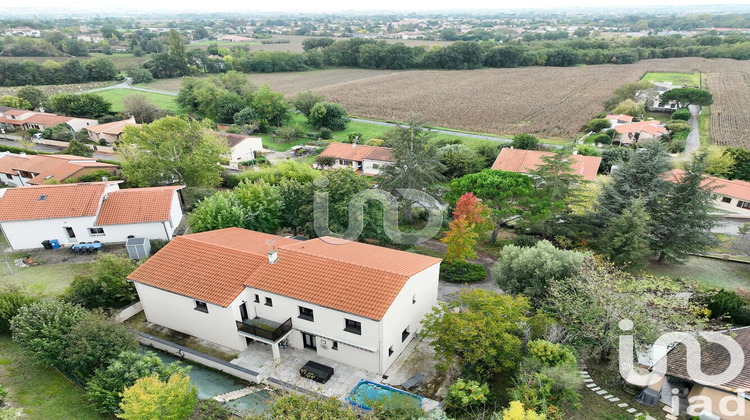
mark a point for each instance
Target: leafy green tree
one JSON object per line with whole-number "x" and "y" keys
{"x": 529, "y": 270}
{"x": 85, "y": 105}
{"x": 100, "y": 69}
{"x": 593, "y": 301}
{"x": 480, "y": 329}
{"x": 741, "y": 168}
{"x": 93, "y": 342}
{"x": 597, "y": 125}
{"x": 305, "y": 101}
{"x": 219, "y": 211}
{"x": 104, "y": 390}
{"x": 140, "y": 75}
{"x": 41, "y": 330}
{"x": 151, "y": 398}
{"x": 34, "y": 95}
{"x": 226, "y": 106}
{"x": 504, "y": 192}
{"x": 270, "y": 107}
{"x": 107, "y": 287}
{"x": 632, "y": 90}
{"x": 464, "y": 396}
{"x": 328, "y": 115}
{"x": 488, "y": 152}
{"x": 629, "y": 107}
{"x": 459, "y": 160}
{"x": 682, "y": 220}
{"x": 290, "y": 132}
{"x": 74, "y": 47}
{"x": 78, "y": 148}
{"x": 525, "y": 141}
{"x": 15, "y": 102}
{"x": 11, "y": 301}
{"x": 262, "y": 203}
{"x": 177, "y": 53}
{"x": 294, "y": 406}
{"x": 172, "y": 150}
{"x": 143, "y": 110}
{"x": 688, "y": 96}
{"x": 625, "y": 240}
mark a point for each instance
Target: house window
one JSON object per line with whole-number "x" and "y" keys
{"x": 390, "y": 351}
{"x": 9, "y": 176}
{"x": 305, "y": 313}
{"x": 413, "y": 298}
{"x": 257, "y": 298}
{"x": 96, "y": 231}
{"x": 743, "y": 204}
{"x": 269, "y": 302}
{"x": 42, "y": 198}
{"x": 201, "y": 306}
{"x": 726, "y": 199}
{"x": 405, "y": 334}
{"x": 354, "y": 327}
{"x": 335, "y": 345}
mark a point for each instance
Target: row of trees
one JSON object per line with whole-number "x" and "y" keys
{"x": 54, "y": 73}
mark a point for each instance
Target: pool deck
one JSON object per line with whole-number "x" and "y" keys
{"x": 258, "y": 357}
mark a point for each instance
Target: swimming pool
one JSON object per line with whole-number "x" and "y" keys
{"x": 366, "y": 392}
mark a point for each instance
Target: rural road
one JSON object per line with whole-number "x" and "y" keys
{"x": 693, "y": 141}
{"x": 128, "y": 84}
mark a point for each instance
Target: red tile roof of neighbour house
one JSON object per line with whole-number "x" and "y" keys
{"x": 715, "y": 359}
{"x": 357, "y": 152}
{"x": 51, "y": 201}
{"x": 344, "y": 275}
{"x": 137, "y": 205}
{"x": 59, "y": 167}
{"x": 525, "y": 161}
{"x": 115, "y": 128}
{"x": 47, "y": 120}
{"x": 234, "y": 139}
{"x": 731, "y": 188}
{"x": 619, "y": 117}
{"x": 18, "y": 112}
{"x": 8, "y": 163}
{"x": 650, "y": 127}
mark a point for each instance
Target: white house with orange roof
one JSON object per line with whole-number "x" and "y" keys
{"x": 21, "y": 119}
{"x": 109, "y": 132}
{"x": 87, "y": 212}
{"x": 732, "y": 196}
{"x": 525, "y": 161}
{"x": 20, "y": 170}
{"x": 644, "y": 130}
{"x": 619, "y": 119}
{"x": 346, "y": 301}
{"x": 367, "y": 160}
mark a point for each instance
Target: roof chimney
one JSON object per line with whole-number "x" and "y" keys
{"x": 273, "y": 256}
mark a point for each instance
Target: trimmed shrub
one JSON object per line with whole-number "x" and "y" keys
{"x": 525, "y": 241}
{"x": 465, "y": 395}
{"x": 729, "y": 303}
{"x": 597, "y": 124}
{"x": 551, "y": 354}
{"x": 601, "y": 138}
{"x": 11, "y": 301}
{"x": 326, "y": 133}
{"x": 681, "y": 114}
{"x": 462, "y": 272}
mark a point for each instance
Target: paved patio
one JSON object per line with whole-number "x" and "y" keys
{"x": 258, "y": 357}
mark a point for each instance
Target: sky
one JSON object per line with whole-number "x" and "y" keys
{"x": 344, "y": 5}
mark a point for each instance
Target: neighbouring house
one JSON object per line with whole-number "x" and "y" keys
{"x": 654, "y": 102}
{"x": 87, "y": 212}
{"x": 367, "y": 160}
{"x": 619, "y": 119}
{"x": 633, "y": 132}
{"x": 235, "y": 38}
{"x": 242, "y": 148}
{"x": 350, "y": 302}
{"x": 110, "y": 132}
{"x": 23, "y": 31}
{"x": 708, "y": 398}
{"x": 20, "y": 170}
{"x": 731, "y": 196}
{"x": 21, "y": 119}
{"x": 525, "y": 161}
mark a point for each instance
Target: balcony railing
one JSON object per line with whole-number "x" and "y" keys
{"x": 265, "y": 328}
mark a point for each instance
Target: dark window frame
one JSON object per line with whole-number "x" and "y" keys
{"x": 352, "y": 326}
{"x": 726, "y": 200}
{"x": 257, "y": 298}
{"x": 390, "y": 351}
{"x": 201, "y": 306}
{"x": 306, "y": 314}
{"x": 269, "y": 302}
{"x": 405, "y": 334}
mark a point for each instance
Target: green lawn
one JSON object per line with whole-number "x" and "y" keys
{"x": 116, "y": 96}
{"x": 690, "y": 79}
{"x": 659, "y": 116}
{"x": 704, "y": 126}
{"x": 707, "y": 272}
{"x": 41, "y": 391}
{"x": 45, "y": 280}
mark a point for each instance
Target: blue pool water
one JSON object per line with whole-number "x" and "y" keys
{"x": 366, "y": 391}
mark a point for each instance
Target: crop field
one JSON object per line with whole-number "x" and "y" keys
{"x": 52, "y": 89}
{"x": 290, "y": 83}
{"x": 729, "y": 123}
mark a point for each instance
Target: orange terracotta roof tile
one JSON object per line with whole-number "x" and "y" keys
{"x": 729, "y": 187}
{"x": 348, "y": 276}
{"x": 137, "y": 205}
{"x": 8, "y": 163}
{"x": 650, "y": 127}
{"x": 234, "y": 139}
{"x": 357, "y": 152}
{"x": 51, "y": 201}
{"x": 525, "y": 161}
{"x": 619, "y": 117}
{"x": 47, "y": 120}
{"x": 114, "y": 128}
{"x": 59, "y": 167}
